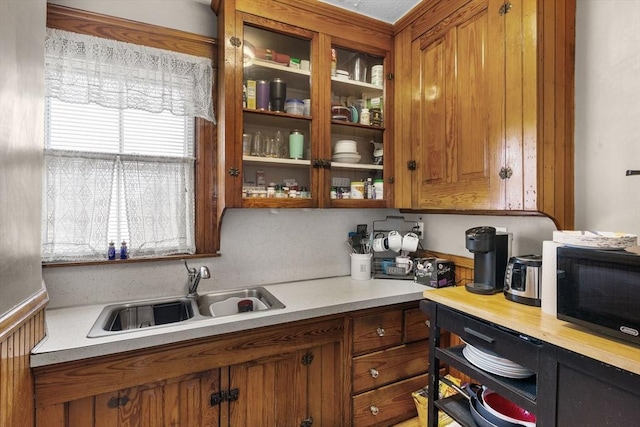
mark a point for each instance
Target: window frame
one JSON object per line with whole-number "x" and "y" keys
{"x": 206, "y": 222}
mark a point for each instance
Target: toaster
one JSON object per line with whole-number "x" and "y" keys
{"x": 523, "y": 278}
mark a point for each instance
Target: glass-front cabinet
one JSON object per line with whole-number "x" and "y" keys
{"x": 303, "y": 116}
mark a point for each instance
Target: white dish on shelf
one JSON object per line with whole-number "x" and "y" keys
{"x": 495, "y": 364}
{"x": 604, "y": 240}
{"x": 346, "y": 158}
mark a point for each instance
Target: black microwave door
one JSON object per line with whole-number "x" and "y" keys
{"x": 598, "y": 293}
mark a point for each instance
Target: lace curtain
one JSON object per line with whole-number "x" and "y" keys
{"x": 78, "y": 188}
{"x": 82, "y": 69}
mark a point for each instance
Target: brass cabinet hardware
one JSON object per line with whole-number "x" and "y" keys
{"x": 235, "y": 41}
{"x": 412, "y": 165}
{"x": 233, "y": 171}
{"x": 307, "y": 358}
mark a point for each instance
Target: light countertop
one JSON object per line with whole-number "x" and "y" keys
{"x": 67, "y": 328}
{"x": 533, "y": 322}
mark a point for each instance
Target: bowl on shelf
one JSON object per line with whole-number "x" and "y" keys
{"x": 345, "y": 146}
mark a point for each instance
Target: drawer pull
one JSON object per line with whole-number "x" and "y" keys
{"x": 380, "y": 332}
{"x": 426, "y": 322}
{"x": 477, "y": 334}
{"x": 374, "y": 410}
{"x": 374, "y": 373}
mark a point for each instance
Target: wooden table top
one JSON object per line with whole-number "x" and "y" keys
{"x": 533, "y": 322}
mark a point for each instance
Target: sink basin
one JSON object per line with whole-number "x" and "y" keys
{"x": 226, "y": 303}
{"x": 117, "y": 318}
{"x": 133, "y": 316}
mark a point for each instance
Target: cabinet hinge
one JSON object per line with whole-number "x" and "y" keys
{"x": 307, "y": 358}
{"x": 326, "y": 164}
{"x": 505, "y": 8}
{"x": 114, "y": 402}
{"x": 390, "y": 76}
{"x": 224, "y": 396}
{"x": 235, "y": 41}
{"x": 308, "y": 422}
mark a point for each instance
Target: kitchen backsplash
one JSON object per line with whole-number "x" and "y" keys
{"x": 265, "y": 246}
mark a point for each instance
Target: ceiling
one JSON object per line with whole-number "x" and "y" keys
{"x": 383, "y": 10}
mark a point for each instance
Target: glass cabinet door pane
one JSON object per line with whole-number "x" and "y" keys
{"x": 357, "y": 125}
{"x": 276, "y": 115}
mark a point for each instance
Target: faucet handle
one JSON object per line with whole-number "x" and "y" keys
{"x": 204, "y": 272}
{"x": 190, "y": 270}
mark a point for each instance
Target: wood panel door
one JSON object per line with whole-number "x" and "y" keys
{"x": 184, "y": 401}
{"x": 289, "y": 389}
{"x": 457, "y": 133}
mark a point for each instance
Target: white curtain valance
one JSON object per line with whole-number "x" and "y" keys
{"x": 86, "y": 69}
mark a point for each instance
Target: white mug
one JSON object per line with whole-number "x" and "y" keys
{"x": 406, "y": 262}
{"x": 395, "y": 241}
{"x": 410, "y": 242}
{"x": 380, "y": 244}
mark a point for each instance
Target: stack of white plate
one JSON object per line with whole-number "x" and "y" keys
{"x": 345, "y": 151}
{"x": 491, "y": 362}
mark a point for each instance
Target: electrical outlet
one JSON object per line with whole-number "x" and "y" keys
{"x": 501, "y": 229}
{"x": 420, "y": 231}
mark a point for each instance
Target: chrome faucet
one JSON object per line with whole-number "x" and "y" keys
{"x": 194, "y": 279}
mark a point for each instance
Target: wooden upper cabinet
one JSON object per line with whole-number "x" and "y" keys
{"x": 491, "y": 116}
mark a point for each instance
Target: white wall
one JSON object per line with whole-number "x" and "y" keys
{"x": 607, "y": 136}
{"x": 22, "y": 29}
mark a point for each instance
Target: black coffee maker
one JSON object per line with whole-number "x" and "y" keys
{"x": 490, "y": 255}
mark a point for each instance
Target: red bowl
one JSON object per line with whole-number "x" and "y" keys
{"x": 503, "y": 406}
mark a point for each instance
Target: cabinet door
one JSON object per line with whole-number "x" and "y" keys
{"x": 457, "y": 144}
{"x": 182, "y": 401}
{"x": 358, "y": 133}
{"x": 288, "y": 389}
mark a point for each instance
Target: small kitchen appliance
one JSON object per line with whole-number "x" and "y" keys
{"x": 523, "y": 278}
{"x": 600, "y": 290}
{"x": 490, "y": 253}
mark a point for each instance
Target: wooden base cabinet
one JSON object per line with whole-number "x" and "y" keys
{"x": 390, "y": 345}
{"x": 491, "y": 114}
{"x": 275, "y": 376}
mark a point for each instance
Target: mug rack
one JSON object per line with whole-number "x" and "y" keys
{"x": 383, "y": 260}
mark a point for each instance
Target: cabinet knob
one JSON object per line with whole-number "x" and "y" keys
{"x": 380, "y": 332}
{"x": 412, "y": 165}
{"x": 233, "y": 171}
{"x": 374, "y": 409}
{"x": 374, "y": 373}
{"x": 426, "y": 322}
{"x": 505, "y": 173}
{"x": 505, "y": 8}
{"x": 235, "y": 41}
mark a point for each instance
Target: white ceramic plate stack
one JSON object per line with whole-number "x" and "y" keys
{"x": 495, "y": 364}
{"x": 346, "y": 151}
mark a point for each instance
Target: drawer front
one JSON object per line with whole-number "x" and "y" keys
{"x": 508, "y": 344}
{"x": 416, "y": 326}
{"x": 384, "y": 367}
{"x": 377, "y": 331}
{"x": 390, "y": 403}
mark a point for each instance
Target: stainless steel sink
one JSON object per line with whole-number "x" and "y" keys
{"x": 118, "y": 318}
{"x": 229, "y": 303}
{"x": 132, "y": 316}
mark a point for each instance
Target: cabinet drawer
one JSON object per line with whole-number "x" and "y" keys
{"x": 377, "y": 331}
{"x": 415, "y": 325}
{"x": 393, "y": 402}
{"x": 506, "y": 343}
{"x": 386, "y": 366}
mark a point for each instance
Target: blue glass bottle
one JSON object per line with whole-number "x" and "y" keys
{"x": 111, "y": 253}
{"x": 124, "y": 251}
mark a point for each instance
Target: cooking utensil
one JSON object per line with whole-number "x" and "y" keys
{"x": 479, "y": 413}
{"x": 506, "y": 410}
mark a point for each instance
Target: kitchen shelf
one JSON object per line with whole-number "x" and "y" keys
{"x": 276, "y": 161}
{"x": 348, "y": 84}
{"x": 267, "y": 70}
{"x": 520, "y": 391}
{"x": 457, "y": 406}
{"x": 338, "y": 165}
{"x": 356, "y": 125}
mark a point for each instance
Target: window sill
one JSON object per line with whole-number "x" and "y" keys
{"x": 126, "y": 261}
